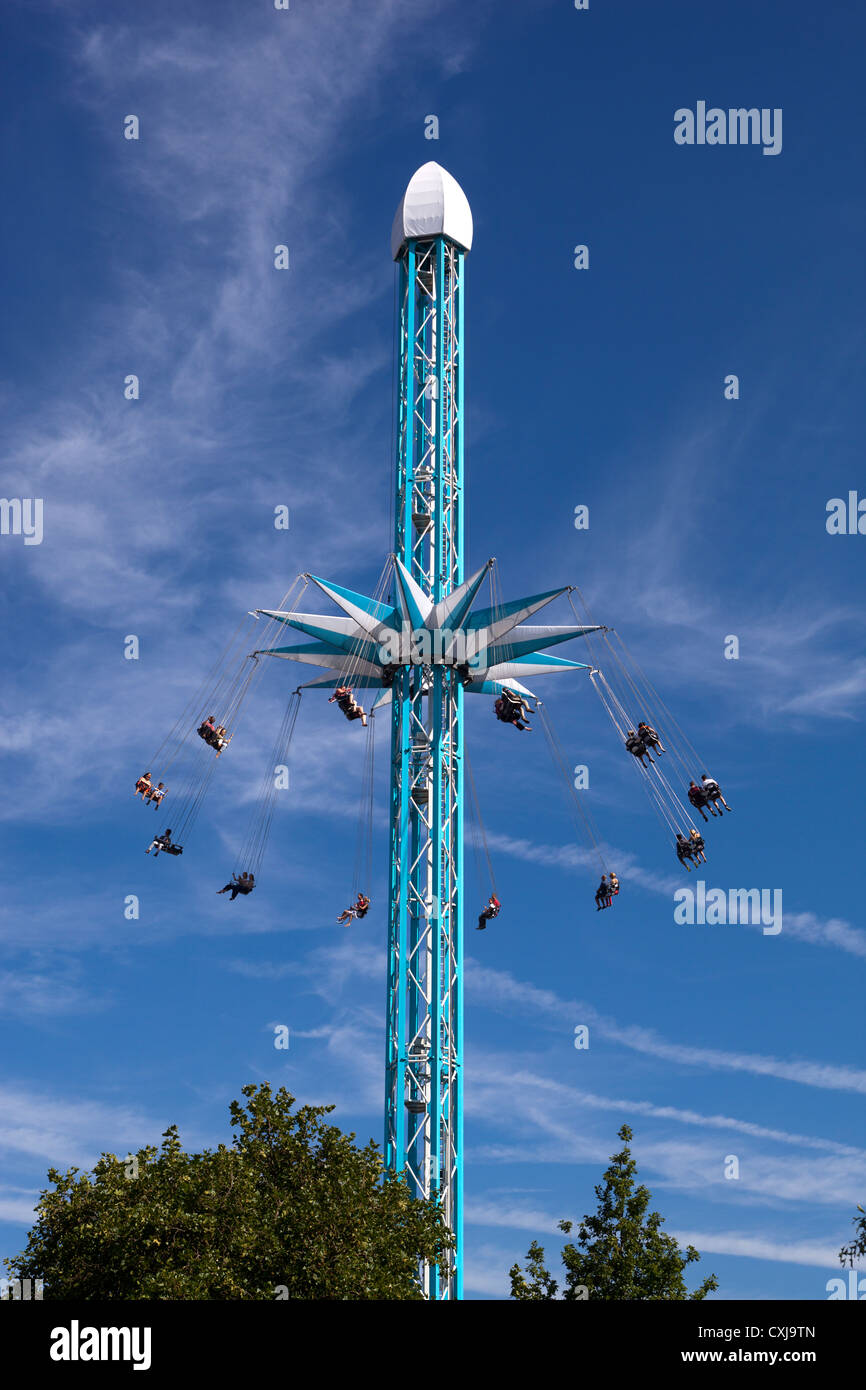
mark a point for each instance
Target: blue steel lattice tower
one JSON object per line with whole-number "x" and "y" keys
{"x": 424, "y": 650}
{"x": 424, "y": 1081}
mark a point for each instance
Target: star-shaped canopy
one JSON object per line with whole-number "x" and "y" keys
{"x": 492, "y": 647}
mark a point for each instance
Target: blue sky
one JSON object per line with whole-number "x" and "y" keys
{"x": 602, "y": 387}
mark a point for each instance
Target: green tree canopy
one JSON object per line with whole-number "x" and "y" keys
{"x": 849, "y": 1253}
{"x": 291, "y": 1209}
{"x": 621, "y": 1251}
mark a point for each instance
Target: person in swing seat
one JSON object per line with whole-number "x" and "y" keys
{"x": 163, "y": 842}
{"x": 241, "y": 883}
{"x": 207, "y": 730}
{"x": 519, "y": 702}
{"x": 699, "y": 799}
{"x": 359, "y": 908}
{"x": 348, "y": 704}
{"x": 649, "y": 736}
{"x": 220, "y": 739}
{"x": 142, "y": 786}
{"x": 697, "y": 840}
{"x": 488, "y": 912}
{"x": 614, "y": 884}
{"x": 685, "y": 849}
{"x": 713, "y": 791}
{"x": 509, "y": 708}
{"x": 637, "y": 747}
{"x": 602, "y": 894}
{"x": 155, "y": 795}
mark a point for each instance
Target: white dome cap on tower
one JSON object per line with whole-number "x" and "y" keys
{"x": 434, "y": 204}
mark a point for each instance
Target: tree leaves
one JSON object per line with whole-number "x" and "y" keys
{"x": 621, "y": 1251}
{"x": 293, "y": 1203}
{"x": 849, "y": 1253}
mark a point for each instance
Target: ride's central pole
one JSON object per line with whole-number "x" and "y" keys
{"x": 425, "y": 650}
{"x": 424, "y": 1078}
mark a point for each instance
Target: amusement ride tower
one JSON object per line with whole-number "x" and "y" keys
{"x": 425, "y": 648}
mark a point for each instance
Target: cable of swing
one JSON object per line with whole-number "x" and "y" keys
{"x": 651, "y": 691}
{"x": 190, "y": 812}
{"x": 480, "y": 822}
{"x": 287, "y": 734}
{"x": 673, "y": 742}
{"x": 584, "y": 621}
{"x": 619, "y": 698}
{"x": 662, "y": 704}
{"x": 674, "y": 811}
{"x": 192, "y": 796}
{"x": 585, "y": 811}
{"x": 363, "y": 801}
{"x": 571, "y": 796}
{"x": 371, "y": 808}
{"x": 195, "y": 700}
{"x": 671, "y": 811}
{"x": 240, "y": 689}
{"x": 356, "y": 650}
{"x": 255, "y": 842}
{"x": 682, "y": 812}
{"x": 476, "y": 851}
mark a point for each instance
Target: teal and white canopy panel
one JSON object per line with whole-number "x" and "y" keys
{"x": 491, "y": 647}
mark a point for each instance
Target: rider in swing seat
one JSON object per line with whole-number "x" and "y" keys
{"x": 649, "y": 736}
{"x": 241, "y": 883}
{"x": 207, "y": 730}
{"x": 163, "y": 842}
{"x": 697, "y": 847}
{"x": 685, "y": 851}
{"x": 510, "y": 708}
{"x": 359, "y": 908}
{"x": 488, "y": 912}
{"x": 348, "y": 704}
{"x": 699, "y": 799}
{"x": 713, "y": 791}
{"x": 637, "y": 748}
{"x": 602, "y": 894}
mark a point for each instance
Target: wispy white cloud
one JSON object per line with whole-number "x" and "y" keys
{"x": 551, "y": 1125}
{"x": 499, "y": 988}
{"x": 824, "y": 1254}
{"x": 151, "y": 506}
{"x": 516, "y": 1217}
{"x": 817, "y": 1253}
{"x": 45, "y": 993}
{"x": 17, "y": 1210}
{"x": 577, "y": 1096}
{"x": 805, "y": 926}
{"x": 71, "y": 1132}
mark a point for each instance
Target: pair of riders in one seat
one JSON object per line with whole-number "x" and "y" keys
{"x": 691, "y": 848}
{"x": 511, "y": 708}
{"x": 240, "y": 883}
{"x": 606, "y": 891}
{"x": 148, "y": 792}
{"x": 708, "y": 795}
{"x": 639, "y": 742}
{"x": 214, "y": 734}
